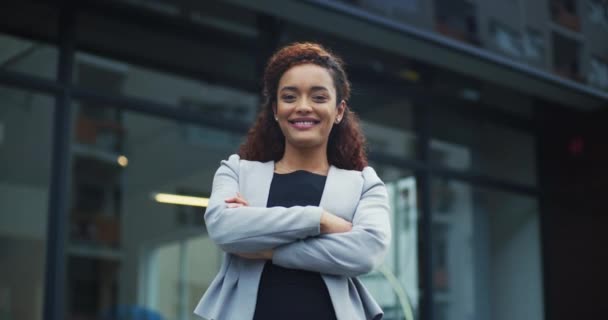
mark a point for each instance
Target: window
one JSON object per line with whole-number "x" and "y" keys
{"x": 565, "y": 13}
{"x": 137, "y": 63}
{"x": 529, "y": 45}
{"x": 484, "y": 148}
{"x": 598, "y": 12}
{"x": 533, "y": 45}
{"x": 177, "y": 275}
{"x": 566, "y": 60}
{"x": 457, "y": 20}
{"x": 386, "y": 119}
{"x": 124, "y": 79}
{"x": 121, "y": 161}
{"x": 598, "y": 73}
{"x": 507, "y": 39}
{"x": 27, "y": 56}
{"x": 25, "y": 149}
{"x": 486, "y": 254}
{"x": 395, "y": 284}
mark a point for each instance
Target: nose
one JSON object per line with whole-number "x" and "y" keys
{"x": 303, "y": 106}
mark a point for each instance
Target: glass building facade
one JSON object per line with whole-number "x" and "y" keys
{"x": 106, "y": 104}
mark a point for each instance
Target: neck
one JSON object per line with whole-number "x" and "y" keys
{"x": 313, "y": 159}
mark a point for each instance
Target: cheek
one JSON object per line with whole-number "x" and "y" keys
{"x": 282, "y": 108}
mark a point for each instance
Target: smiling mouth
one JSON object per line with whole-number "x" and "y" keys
{"x": 304, "y": 124}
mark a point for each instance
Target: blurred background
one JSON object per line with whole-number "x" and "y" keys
{"x": 486, "y": 120}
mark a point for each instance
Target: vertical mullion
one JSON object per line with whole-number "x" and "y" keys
{"x": 539, "y": 135}
{"x": 55, "y": 270}
{"x": 269, "y": 36}
{"x": 423, "y": 177}
{"x": 182, "y": 281}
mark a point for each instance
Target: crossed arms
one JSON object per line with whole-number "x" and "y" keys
{"x": 300, "y": 237}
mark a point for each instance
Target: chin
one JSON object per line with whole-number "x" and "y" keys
{"x": 305, "y": 143}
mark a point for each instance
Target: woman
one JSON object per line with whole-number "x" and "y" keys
{"x": 298, "y": 212}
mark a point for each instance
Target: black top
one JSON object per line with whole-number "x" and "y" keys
{"x": 290, "y": 293}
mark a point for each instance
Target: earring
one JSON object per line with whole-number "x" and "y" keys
{"x": 338, "y": 120}
{"x": 276, "y": 118}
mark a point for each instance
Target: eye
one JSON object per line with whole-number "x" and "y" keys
{"x": 288, "y": 98}
{"x": 319, "y": 98}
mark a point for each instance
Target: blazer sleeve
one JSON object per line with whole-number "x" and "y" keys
{"x": 252, "y": 229}
{"x": 351, "y": 253}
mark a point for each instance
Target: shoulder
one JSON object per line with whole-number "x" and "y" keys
{"x": 371, "y": 179}
{"x": 236, "y": 164}
{"x": 367, "y": 177}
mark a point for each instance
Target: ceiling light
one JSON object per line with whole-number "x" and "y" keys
{"x": 122, "y": 161}
{"x": 181, "y": 200}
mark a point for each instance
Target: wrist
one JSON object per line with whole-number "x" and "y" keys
{"x": 323, "y": 222}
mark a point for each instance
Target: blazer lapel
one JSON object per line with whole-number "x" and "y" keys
{"x": 255, "y": 181}
{"x": 342, "y": 192}
{"x": 326, "y": 196}
{"x": 340, "y": 196}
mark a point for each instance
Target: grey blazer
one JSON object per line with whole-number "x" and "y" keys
{"x": 357, "y": 196}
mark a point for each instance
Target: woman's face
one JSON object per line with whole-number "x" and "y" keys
{"x": 306, "y": 106}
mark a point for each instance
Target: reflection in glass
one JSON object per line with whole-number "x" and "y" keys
{"x": 201, "y": 269}
{"x": 395, "y": 284}
{"x": 121, "y": 78}
{"x": 486, "y": 254}
{"x": 483, "y": 148}
{"x": 457, "y": 20}
{"x": 27, "y": 56}
{"x": 128, "y": 253}
{"x": 167, "y": 279}
{"x": 25, "y": 147}
{"x": 179, "y": 274}
{"x": 386, "y": 119}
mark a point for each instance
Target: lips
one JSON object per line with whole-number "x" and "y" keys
{"x": 304, "y": 123}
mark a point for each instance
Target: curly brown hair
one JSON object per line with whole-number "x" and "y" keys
{"x": 265, "y": 140}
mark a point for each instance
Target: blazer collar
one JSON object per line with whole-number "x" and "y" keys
{"x": 331, "y": 183}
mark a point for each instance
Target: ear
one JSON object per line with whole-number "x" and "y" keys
{"x": 274, "y": 109}
{"x": 341, "y": 108}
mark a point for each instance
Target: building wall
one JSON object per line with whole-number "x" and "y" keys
{"x": 573, "y": 212}
{"x": 520, "y": 17}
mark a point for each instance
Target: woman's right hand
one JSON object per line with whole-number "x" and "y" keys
{"x": 331, "y": 223}
{"x": 236, "y": 202}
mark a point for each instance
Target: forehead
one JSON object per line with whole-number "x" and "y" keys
{"x": 305, "y": 76}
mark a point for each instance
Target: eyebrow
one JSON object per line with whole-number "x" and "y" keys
{"x": 314, "y": 88}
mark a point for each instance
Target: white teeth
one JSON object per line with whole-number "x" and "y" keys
{"x": 305, "y": 122}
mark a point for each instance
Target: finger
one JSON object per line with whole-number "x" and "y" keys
{"x": 240, "y": 196}
{"x": 241, "y": 201}
{"x": 234, "y": 205}
{"x": 236, "y": 200}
